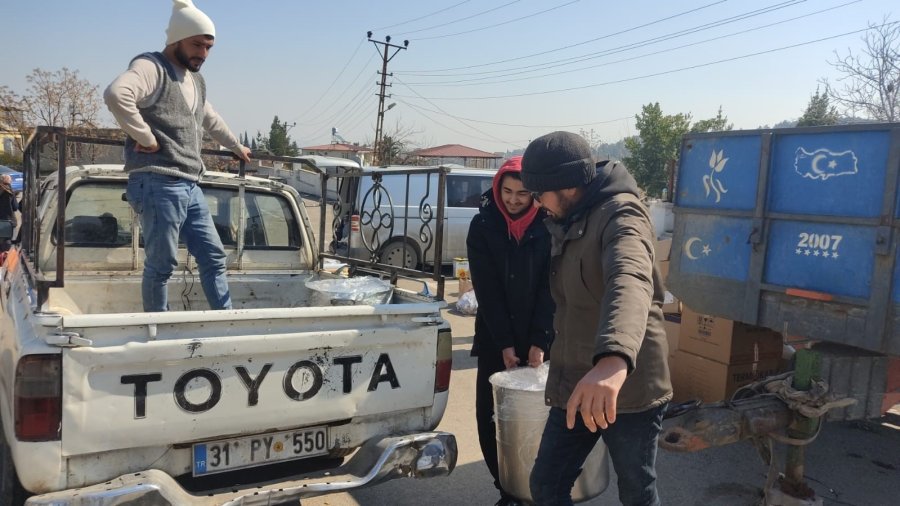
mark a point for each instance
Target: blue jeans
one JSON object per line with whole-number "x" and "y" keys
{"x": 171, "y": 208}
{"x": 632, "y": 448}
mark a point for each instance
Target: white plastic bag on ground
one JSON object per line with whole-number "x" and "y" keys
{"x": 467, "y": 303}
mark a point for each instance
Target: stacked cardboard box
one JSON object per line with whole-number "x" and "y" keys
{"x": 672, "y": 325}
{"x": 716, "y": 356}
{"x": 671, "y": 305}
{"x": 663, "y": 248}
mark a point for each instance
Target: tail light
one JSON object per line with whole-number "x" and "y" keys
{"x": 355, "y": 240}
{"x": 444, "y": 362}
{"x": 38, "y": 398}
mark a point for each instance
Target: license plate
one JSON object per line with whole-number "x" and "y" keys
{"x": 226, "y": 455}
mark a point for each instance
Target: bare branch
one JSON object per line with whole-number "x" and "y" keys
{"x": 870, "y": 83}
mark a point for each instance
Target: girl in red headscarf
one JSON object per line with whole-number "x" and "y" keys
{"x": 509, "y": 254}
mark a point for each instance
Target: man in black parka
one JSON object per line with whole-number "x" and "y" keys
{"x": 509, "y": 254}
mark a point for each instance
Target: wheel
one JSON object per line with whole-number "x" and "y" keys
{"x": 400, "y": 253}
{"x": 11, "y": 491}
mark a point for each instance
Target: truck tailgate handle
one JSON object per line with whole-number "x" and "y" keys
{"x": 67, "y": 340}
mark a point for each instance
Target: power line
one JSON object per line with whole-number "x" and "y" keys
{"x": 469, "y": 82}
{"x": 351, "y": 106}
{"x": 312, "y": 122}
{"x": 438, "y": 123}
{"x": 421, "y": 17}
{"x": 304, "y": 113}
{"x": 412, "y": 72}
{"x": 603, "y": 122}
{"x": 463, "y": 19}
{"x": 448, "y": 114}
{"x": 633, "y": 45}
{"x": 365, "y": 113}
{"x": 330, "y": 119}
{"x": 656, "y": 74}
{"x": 500, "y": 24}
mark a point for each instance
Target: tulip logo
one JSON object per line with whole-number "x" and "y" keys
{"x": 711, "y": 182}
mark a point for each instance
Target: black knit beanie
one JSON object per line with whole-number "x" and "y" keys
{"x": 557, "y": 160}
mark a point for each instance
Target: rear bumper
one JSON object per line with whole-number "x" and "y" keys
{"x": 425, "y": 455}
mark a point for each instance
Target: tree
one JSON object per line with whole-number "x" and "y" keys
{"x": 612, "y": 151}
{"x": 279, "y": 142}
{"x": 871, "y": 78}
{"x": 819, "y": 111}
{"x": 658, "y": 142}
{"x": 717, "y": 124}
{"x": 603, "y": 150}
{"x": 59, "y": 98}
{"x": 395, "y": 145}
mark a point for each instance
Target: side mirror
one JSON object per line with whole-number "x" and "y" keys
{"x": 7, "y": 227}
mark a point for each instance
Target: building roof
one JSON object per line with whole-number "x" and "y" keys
{"x": 337, "y": 146}
{"x": 453, "y": 151}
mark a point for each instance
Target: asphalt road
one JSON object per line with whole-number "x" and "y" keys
{"x": 851, "y": 463}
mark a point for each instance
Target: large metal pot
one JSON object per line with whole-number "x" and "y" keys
{"x": 362, "y": 290}
{"x": 520, "y": 415}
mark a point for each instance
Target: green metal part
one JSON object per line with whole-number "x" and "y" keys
{"x": 807, "y": 365}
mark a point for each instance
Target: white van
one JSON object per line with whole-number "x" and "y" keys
{"x": 396, "y": 211}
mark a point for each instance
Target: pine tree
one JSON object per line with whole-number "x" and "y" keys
{"x": 819, "y": 111}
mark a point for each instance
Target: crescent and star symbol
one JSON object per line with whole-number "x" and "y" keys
{"x": 688, "y": 245}
{"x": 815, "y": 163}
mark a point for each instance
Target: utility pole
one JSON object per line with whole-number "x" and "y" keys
{"x": 382, "y": 85}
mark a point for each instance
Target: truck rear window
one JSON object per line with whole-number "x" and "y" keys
{"x": 97, "y": 215}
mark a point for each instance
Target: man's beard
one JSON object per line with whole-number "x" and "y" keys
{"x": 185, "y": 61}
{"x": 565, "y": 205}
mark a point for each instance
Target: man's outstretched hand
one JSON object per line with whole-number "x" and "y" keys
{"x": 595, "y": 395}
{"x": 244, "y": 154}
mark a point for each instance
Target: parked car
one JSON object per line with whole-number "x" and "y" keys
{"x": 17, "y": 179}
{"x": 397, "y": 217}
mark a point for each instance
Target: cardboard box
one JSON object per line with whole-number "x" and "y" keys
{"x": 663, "y": 247}
{"x": 672, "y": 324}
{"x": 727, "y": 341}
{"x": 696, "y": 377}
{"x": 461, "y": 268}
{"x": 671, "y": 304}
{"x": 464, "y": 286}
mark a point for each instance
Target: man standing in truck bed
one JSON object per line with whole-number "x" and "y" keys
{"x": 163, "y": 109}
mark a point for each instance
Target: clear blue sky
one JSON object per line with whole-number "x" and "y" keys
{"x": 309, "y": 62}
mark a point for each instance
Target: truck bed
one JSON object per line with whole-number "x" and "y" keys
{"x": 121, "y": 293}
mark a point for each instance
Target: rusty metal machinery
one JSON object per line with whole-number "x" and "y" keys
{"x": 788, "y": 409}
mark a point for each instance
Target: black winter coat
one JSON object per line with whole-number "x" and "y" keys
{"x": 7, "y": 205}
{"x": 511, "y": 282}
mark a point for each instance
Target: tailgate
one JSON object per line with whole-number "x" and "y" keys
{"x": 150, "y": 380}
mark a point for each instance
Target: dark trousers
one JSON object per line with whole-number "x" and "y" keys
{"x": 632, "y": 448}
{"x": 488, "y": 363}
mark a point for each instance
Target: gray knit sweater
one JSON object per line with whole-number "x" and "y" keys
{"x": 178, "y": 131}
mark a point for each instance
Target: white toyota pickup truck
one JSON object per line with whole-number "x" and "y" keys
{"x": 273, "y": 401}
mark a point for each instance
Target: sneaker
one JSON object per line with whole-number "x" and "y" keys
{"x": 506, "y": 500}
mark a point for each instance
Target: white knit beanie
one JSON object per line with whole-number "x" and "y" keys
{"x": 187, "y": 21}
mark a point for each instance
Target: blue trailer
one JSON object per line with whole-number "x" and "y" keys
{"x": 796, "y": 230}
{"x": 793, "y": 229}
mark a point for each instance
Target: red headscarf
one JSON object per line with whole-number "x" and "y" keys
{"x": 516, "y": 226}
